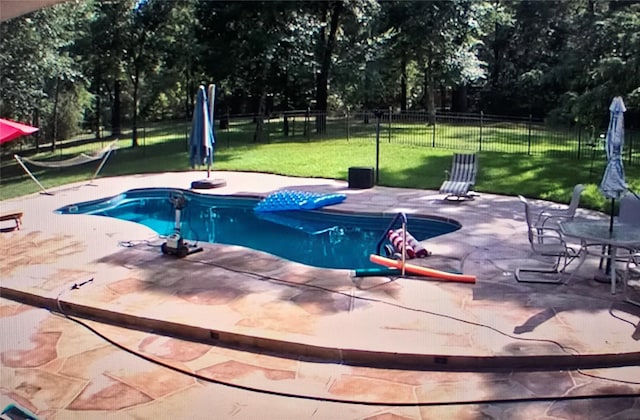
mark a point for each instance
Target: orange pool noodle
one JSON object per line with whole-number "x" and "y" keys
{"x": 423, "y": 271}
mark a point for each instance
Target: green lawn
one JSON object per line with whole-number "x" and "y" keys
{"x": 543, "y": 175}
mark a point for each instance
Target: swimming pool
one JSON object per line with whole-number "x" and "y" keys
{"x": 321, "y": 238}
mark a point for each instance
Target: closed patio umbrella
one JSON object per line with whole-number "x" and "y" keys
{"x": 202, "y": 140}
{"x": 201, "y": 137}
{"x": 613, "y": 184}
{"x": 11, "y": 130}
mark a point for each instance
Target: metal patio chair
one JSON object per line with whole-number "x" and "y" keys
{"x": 554, "y": 214}
{"x": 545, "y": 242}
{"x": 631, "y": 279}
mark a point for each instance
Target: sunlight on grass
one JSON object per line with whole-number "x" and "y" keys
{"x": 408, "y": 160}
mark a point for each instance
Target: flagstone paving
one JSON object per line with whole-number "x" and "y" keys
{"x": 235, "y": 333}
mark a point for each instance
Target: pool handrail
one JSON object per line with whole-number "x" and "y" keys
{"x": 400, "y": 215}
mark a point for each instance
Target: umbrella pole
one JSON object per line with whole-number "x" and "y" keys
{"x": 608, "y": 267}
{"x": 613, "y": 200}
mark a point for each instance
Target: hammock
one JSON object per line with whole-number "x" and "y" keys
{"x": 80, "y": 159}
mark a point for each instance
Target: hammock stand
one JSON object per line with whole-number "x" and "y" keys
{"x": 80, "y": 159}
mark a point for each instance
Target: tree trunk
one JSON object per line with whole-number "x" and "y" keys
{"x": 326, "y": 50}
{"x": 36, "y": 123}
{"x": 262, "y": 105}
{"x": 116, "y": 128}
{"x": 56, "y": 97}
{"x": 429, "y": 96}
{"x": 498, "y": 46}
{"x": 188, "y": 97}
{"x": 134, "y": 122}
{"x": 459, "y": 102}
{"x": 98, "y": 109}
{"x": 403, "y": 83}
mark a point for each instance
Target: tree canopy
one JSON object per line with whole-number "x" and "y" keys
{"x": 87, "y": 64}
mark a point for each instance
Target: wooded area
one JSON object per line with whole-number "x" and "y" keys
{"x": 87, "y": 64}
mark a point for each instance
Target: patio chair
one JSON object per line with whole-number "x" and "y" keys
{"x": 462, "y": 177}
{"x": 629, "y": 209}
{"x": 554, "y": 214}
{"x": 545, "y": 242}
{"x": 629, "y": 214}
{"x": 631, "y": 279}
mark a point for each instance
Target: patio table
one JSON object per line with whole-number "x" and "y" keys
{"x": 597, "y": 232}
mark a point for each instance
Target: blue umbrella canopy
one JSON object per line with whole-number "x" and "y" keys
{"x": 613, "y": 184}
{"x": 201, "y": 139}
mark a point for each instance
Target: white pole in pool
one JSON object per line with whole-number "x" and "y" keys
{"x": 404, "y": 245}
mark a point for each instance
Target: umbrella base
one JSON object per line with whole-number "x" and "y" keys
{"x": 207, "y": 184}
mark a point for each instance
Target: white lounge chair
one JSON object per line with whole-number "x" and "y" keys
{"x": 462, "y": 177}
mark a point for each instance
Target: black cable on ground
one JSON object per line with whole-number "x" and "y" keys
{"x": 619, "y": 318}
{"x": 328, "y": 399}
{"x": 566, "y": 349}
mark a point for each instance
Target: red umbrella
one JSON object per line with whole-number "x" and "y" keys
{"x": 10, "y": 130}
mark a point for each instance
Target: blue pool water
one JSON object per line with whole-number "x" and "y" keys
{"x": 320, "y": 238}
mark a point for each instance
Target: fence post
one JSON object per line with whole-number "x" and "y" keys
{"x": 630, "y": 158}
{"x": 433, "y": 133}
{"x": 267, "y": 127}
{"x": 307, "y": 118}
{"x": 378, "y": 114}
{"x": 228, "y": 127}
{"x": 579, "y": 141}
{"x": 529, "y": 137}
{"x": 390, "y": 116}
{"x": 348, "y": 127}
{"x": 481, "y": 124}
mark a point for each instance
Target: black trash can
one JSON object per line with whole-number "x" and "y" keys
{"x": 360, "y": 177}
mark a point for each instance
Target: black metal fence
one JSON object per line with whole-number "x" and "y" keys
{"x": 473, "y": 132}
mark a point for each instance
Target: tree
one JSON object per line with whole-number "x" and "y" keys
{"x": 266, "y": 52}
{"x": 440, "y": 37}
{"x": 603, "y": 56}
{"x": 40, "y": 70}
{"x": 144, "y": 47}
{"x": 330, "y": 16}
{"x": 103, "y": 51}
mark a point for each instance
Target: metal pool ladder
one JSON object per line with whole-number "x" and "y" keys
{"x": 403, "y": 217}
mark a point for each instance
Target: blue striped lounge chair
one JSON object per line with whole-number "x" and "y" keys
{"x": 462, "y": 177}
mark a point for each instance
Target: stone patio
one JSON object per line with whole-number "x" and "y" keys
{"x": 235, "y": 333}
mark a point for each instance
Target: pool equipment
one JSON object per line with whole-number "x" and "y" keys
{"x": 377, "y": 271}
{"x": 422, "y": 271}
{"x": 175, "y": 244}
{"x": 297, "y": 200}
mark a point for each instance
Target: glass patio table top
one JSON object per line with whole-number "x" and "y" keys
{"x": 597, "y": 232}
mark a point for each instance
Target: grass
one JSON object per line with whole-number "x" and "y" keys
{"x": 544, "y": 175}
